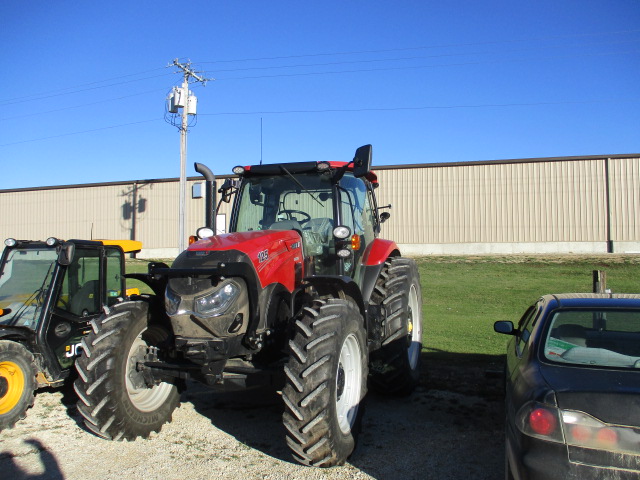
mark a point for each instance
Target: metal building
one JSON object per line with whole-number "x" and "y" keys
{"x": 547, "y": 205}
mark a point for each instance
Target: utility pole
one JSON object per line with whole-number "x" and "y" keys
{"x": 183, "y": 98}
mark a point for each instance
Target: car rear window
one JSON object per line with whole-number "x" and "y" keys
{"x": 595, "y": 338}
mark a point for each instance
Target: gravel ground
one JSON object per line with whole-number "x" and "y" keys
{"x": 238, "y": 435}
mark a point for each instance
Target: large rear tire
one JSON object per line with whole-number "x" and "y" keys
{"x": 325, "y": 383}
{"x": 395, "y": 368}
{"x": 113, "y": 398}
{"x": 17, "y": 382}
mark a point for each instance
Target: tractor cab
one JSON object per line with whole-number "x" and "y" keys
{"x": 330, "y": 204}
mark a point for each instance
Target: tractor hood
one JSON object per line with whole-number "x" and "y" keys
{"x": 276, "y": 255}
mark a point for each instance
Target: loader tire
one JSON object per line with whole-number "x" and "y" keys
{"x": 325, "y": 383}
{"x": 17, "y": 382}
{"x": 395, "y": 367}
{"x": 113, "y": 399}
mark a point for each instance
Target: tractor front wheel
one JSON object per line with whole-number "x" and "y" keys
{"x": 114, "y": 399}
{"x": 325, "y": 383}
{"x": 17, "y": 382}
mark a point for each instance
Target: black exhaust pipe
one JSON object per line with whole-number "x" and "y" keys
{"x": 210, "y": 196}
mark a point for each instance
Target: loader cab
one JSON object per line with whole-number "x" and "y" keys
{"x": 330, "y": 204}
{"x": 50, "y": 291}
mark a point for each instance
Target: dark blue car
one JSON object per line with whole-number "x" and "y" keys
{"x": 572, "y": 393}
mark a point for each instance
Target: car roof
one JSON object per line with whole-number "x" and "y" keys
{"x": 592, "y": 300}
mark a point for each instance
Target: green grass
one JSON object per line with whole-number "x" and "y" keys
{"x": 464, "y": 296}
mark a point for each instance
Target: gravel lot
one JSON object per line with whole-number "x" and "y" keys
{"x": 238, "y": 435}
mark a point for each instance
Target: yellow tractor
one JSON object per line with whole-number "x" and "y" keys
{"x": 49, "y": 293}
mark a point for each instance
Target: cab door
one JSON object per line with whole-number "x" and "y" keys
{"x": 93, "y": 280}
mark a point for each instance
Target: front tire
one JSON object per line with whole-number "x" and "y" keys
{"x": 395, "y": 367}
{"x": 113, "y": 398}
{"x": 325, "y": 383}
{"x": 17, "y": 382}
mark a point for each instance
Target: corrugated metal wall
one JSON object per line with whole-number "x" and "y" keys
{"x": 624, "y": 181}
{"x": 540, "y": 200}
{"x": 560, "y": 201}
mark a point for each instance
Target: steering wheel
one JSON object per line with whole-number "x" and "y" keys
{"x": 304, "y": 214}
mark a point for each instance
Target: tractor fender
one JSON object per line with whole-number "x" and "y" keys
{"x": 270, "y": 296}
{"x": 18, "y": 334}
{"x": 378, "y": 251}
{"x": 343, "y": 285}
{"x": 373, "y": 259}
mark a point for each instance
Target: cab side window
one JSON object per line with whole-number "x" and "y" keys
{"x": 113, "y": 275}
{"x": 81, "y": 286}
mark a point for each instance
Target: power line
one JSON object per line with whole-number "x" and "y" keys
{"x": 426, "y": 107}
{"x": 83, "y": 85}
{"x": 79, "y": 132}
{"x": 425, "y": 47}
{"x": 75, "y": 88}
{"x": 417, "y": 67}
{"x": 345, "y": 110}
{"x": 421, "y": 57}
{"x": 14, "y": 101}
{"x": 82, "y": 105}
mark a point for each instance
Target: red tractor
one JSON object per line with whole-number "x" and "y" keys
{"x": 302, "y": 293}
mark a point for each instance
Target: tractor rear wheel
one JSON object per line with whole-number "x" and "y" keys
{"x": 395, "y": 368}
{"x": 17, "y": 382}
{"x": 325, "y": 383}
{"x": 114, "y": 399}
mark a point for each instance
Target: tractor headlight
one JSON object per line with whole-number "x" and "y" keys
{"x": 171, "y": 301}
{"x": 218, "y": 302}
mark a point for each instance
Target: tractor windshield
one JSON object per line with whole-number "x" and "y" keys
{"x": 24, "y": 281}
{"x": 301, "y": 202}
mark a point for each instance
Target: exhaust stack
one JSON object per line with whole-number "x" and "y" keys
{"x": 210, "y": 196}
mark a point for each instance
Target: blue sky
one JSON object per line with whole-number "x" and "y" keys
{"x": 83, "y": 84}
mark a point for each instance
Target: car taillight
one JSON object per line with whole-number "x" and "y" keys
{"x": 545, "y": 421}
{"x": 583, "y": 430}
{"x": 542, "y": 421}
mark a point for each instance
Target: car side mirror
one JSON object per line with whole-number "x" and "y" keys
{"x": 505, "y": 327}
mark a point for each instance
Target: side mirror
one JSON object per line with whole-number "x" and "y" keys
{"x": 505, "y": 327}
{"x": 384, "y": 216}
{"x": 227, "y": 189}
{"x": 362, "y": 161}
{"x": 66, "y": 253}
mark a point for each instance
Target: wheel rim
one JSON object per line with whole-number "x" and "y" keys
{"x": 414, "y": 328}
{"x": 13, "y": 381}
{"x": 348, "y": 383}
{"x": 143, "y": 398}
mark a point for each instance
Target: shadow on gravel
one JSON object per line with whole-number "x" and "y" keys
{"x": 50, "y": 465}
{"x": 450, "y": 427}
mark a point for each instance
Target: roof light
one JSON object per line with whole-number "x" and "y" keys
{"x": 10, "y": 242}
{"x": 323, "y": 166}
{"x": 51, "y": 241}
{"x": 238, "y": 170}
{"x": 341, "y": 232}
